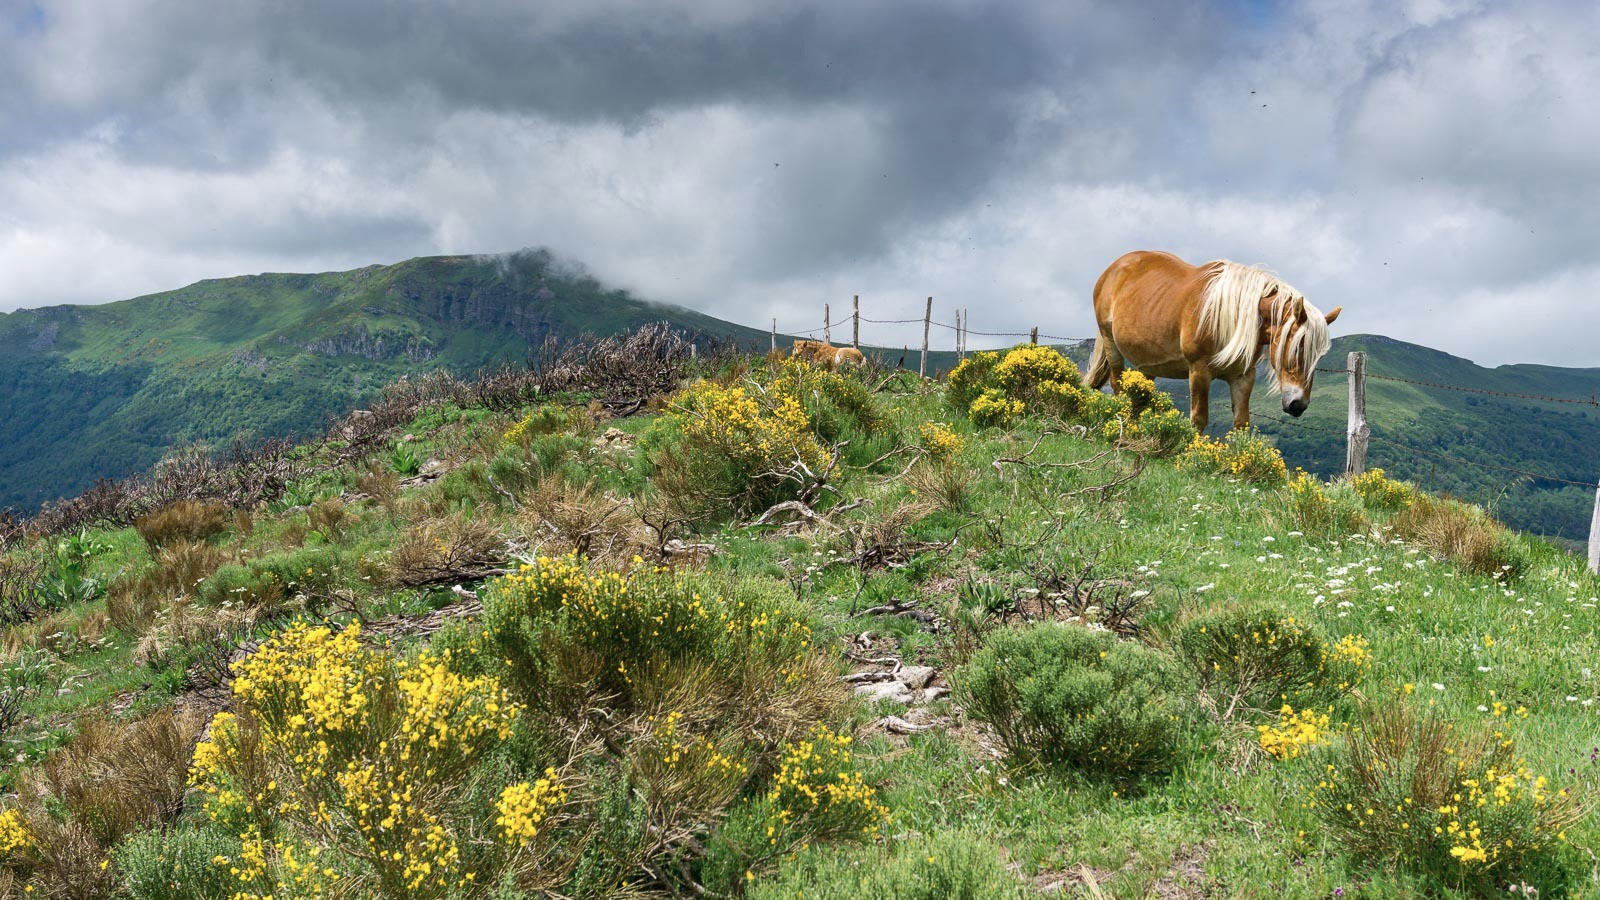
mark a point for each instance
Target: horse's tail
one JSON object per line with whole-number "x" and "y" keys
{"x": 1099, "y": 364}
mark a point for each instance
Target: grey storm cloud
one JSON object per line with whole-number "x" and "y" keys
{"x": 1427, "y": 164}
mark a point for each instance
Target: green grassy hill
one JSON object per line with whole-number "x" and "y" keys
{"x": 1555, "y": 439}
{"x": 103, "y": 391}
{"x": 984, "y": 662}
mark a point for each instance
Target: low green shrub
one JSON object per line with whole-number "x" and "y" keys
{"x": 1061, "y": 694}
{"x": 179, "y": 865}
{"x": 246, "y": 586}
{"x": 1253, "y": 658}
{"x": 948, "y": 865}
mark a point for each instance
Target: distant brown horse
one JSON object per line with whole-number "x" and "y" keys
{"x": 1173, "y": 320}
{"x": 825, "y": 354}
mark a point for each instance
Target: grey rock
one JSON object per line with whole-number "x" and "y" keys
{"x": 887, "y": 690}
{"x": 915, "y": 677}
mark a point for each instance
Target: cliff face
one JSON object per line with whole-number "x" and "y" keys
{"x": 373, "y": 345}
{"x": 495, "y": 306}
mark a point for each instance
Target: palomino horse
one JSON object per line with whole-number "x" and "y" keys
{"x": 825, "y": 354}
{"x": 1173, "y": 320}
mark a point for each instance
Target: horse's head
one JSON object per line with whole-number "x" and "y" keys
{"x": 1296, "y": 337}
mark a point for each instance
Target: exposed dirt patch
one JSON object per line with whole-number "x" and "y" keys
{"x": 1186, "y": 878}
{"x": 1078, "y": 879}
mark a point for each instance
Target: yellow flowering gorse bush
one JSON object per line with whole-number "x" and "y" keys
{"x": 523, "y": 808}
{"x": 1294, "y": 732}
{"x": 818, "y": 792}
{"x": 1459, "y": 803}
{"x": 629, "y": 626}
{"x": 15, "y": 837}
{"x": 351, "y": 749}
{"x": 1379, "y": 492}
{"x": 1241, "y": 454}
{"x": 941, "y": 441}
{"x": 746, "y": 445}
{"x": 993, "y": 408}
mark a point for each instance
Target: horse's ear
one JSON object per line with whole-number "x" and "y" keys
{"x": 1334, "y": 314}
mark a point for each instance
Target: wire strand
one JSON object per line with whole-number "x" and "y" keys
{"x": 1469, "y": 390}
{"x": 1444, "y": 456}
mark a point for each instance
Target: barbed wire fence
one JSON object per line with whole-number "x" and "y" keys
{"x": 1358, "y": 434}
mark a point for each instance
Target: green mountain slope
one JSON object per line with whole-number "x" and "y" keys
{"x": 96, "y": 391}
{"x": 1554, "y": 439}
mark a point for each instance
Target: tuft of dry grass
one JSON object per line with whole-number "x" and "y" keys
{"x": 456, "y": 548}
{"x": 183, "y": 623}
{"x": 110, "y": 780}
{"x": 133, "y": 601}
{"x": 1463, "y": 533}
{"x": 329, "y": 518}
{"x": 566, "y": 517}
{"x": 380, "y": 483}
{"x": 187, "y": 520}
{"x": 946, "y": 484}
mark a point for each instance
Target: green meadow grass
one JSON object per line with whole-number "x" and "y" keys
{"x": 1517, "y": 657}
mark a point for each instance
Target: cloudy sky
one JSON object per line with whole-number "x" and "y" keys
{"x": 1431, "y": 165}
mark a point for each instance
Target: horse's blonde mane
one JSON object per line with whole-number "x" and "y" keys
{"x": 1230, "y": 311}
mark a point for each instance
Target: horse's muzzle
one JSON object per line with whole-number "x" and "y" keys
{"x": 1295, "y": 408}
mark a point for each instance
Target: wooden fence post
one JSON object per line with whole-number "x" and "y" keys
{"x": 1594, "y": 537}
{"x": 1355, "y": 461}
{"x": 1033, "y": 336}
{"x": 827, "y": 325}
{"x": 855, "y": 322}
{"x": 774, "y": 334}
{"x": 927, "y": 318}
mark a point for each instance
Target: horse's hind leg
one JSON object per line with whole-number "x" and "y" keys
{"x": 1199, "y": 396}
{"x": 1107, "y": 363}
{"x": 1240, "y": 388}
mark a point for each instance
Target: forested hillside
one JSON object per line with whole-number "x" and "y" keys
{"x": 88, "y": 392}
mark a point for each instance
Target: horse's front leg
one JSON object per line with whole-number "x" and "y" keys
{"x": 1199, "y": 397}
{"x": 1240, "y": 387}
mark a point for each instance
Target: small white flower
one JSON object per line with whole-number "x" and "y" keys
{"x": 1437, "y": 686}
